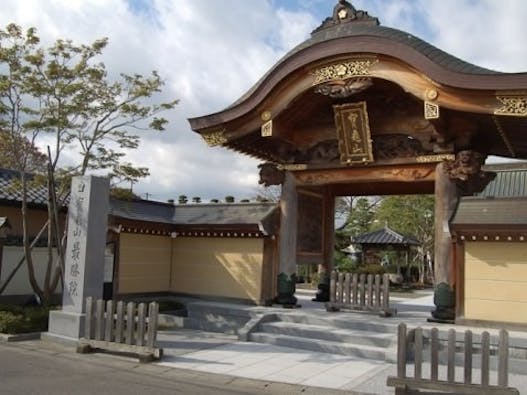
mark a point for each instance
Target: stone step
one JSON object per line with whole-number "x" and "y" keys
{"x": 361, "y": 322}
{"x": 373, "y": 339}
{"x": 326, "y": 346}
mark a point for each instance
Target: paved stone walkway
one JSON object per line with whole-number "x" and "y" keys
{"x": 223, "y": 354}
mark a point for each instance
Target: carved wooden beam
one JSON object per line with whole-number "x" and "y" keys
{"x": 401, "y": 173}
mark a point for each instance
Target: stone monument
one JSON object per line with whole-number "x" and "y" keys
{"x": 84, "y": 260}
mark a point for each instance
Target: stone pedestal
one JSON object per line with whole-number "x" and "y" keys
{"x": 84, "y": 260}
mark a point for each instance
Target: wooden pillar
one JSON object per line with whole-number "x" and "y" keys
{"x": 288, "y": 241}
{"x": 454, "y": 179}
{"x": 447, "y": 197}
{"x": 328, "y": 231}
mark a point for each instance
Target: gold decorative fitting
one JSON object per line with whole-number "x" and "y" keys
{"x": 435, "y": 158}
{"x": 215, "y": 138}
{"x": 353, "y": 133}
{"x": 431, "y": 94}
{"x": 342, "y": 71}
{"x": 512, "y": 106}
{"x": 431, "y": 110}
{"x": 267, "y": 129}
{"x": 266, "y": 116}
{"x": 293, "y": 167}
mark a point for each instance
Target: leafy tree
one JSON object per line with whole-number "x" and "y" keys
{"x": 123, "y": 194}
{"x": 229, "y": 199}
{"x": 359, "y": 217}
{"x": 410, "y": 215}
{"x": 14, "y": 146}
{"x": 268, "y": 194}
{"x": 196, "y": 199}
{"x": 64, "y": 92}
{"x": 182, "y": 199}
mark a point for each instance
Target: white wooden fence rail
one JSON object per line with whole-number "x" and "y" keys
{"x": 360, "y": 292}
{"x": 405, "y": 384}
{"x": 121, "y": 327}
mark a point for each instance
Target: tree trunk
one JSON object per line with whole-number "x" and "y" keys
{"x": 25, "y": 234}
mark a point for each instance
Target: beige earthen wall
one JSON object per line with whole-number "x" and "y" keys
{"x": 496, "y": 282}
{"x": 230, "y": 268}
{"x": 144, "y": 263}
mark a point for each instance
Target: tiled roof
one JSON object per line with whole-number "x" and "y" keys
{"x": 384, "y": 236}
{"x": 491, "y": 212}
{"x": 142, "y": 210}
{"x": 350, "y": 30}
{"x": 194, "y": 214}
{"x": 223, "y": 214}
{"x": 37, "y": 194}
{"x": 150, "y": 211}
{"x": 510, "y": 182}
{"x": 502, "y": 202}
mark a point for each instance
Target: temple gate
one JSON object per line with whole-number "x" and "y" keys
{"x": 362, "y": 109}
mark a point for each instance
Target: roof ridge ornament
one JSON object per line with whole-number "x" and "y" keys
{"x": 344, "y": 12}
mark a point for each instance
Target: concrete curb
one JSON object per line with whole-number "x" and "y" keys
{"x": 4, "y": 337}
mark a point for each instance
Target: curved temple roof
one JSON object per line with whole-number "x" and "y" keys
{"x": 352, "y": 34}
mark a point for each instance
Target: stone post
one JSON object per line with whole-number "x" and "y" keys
{"x": 288, "y": 242}
{"x": 84, "y": 260}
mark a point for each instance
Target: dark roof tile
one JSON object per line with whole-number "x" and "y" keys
{"x": 385, "y": 236}
{"x": 37, "y": 194}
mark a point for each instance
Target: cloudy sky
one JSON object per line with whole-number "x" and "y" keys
{"x": 211, "y": 51}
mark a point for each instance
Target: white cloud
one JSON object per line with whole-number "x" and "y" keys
{"x": 211, "y": 52}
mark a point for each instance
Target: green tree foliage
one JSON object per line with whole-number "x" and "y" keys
{"x": 123, "y": 194}
{"x": 64, "y": 92}
{"x": 14, "y": 146}
{"x": 411, "y": 215}
{"x": 360, "y": 214}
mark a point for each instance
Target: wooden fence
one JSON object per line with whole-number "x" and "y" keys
{"x": 360, "y": 292}
{"x": 121, "y": 327}
{"x": 405, "y": 385}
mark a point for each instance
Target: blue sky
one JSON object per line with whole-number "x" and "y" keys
{"x": 210, "y": 52}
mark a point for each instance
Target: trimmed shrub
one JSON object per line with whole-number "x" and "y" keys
{"x": 370, "y": 269}
{"x": 18, "y": 319}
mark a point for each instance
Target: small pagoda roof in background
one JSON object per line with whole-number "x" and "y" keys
{"x": 4, "y": 223}
{"x": 385, "y": 236}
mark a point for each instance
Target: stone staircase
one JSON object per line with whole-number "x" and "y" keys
{"x": 351, "y": 336}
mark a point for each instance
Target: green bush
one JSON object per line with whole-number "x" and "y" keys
{"x": 370, "y": 269}
{"x": 18, "y": 319}
{"x": 391, "y": 268}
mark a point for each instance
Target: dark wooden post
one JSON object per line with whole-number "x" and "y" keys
{"x": 447, "y": 197}
{"x": 288, "y": 241}
{"x": 454, "y": 179}
{"x": 326, "y": 267}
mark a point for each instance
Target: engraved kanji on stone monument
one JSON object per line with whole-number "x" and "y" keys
{"x": 84, "y": 258}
